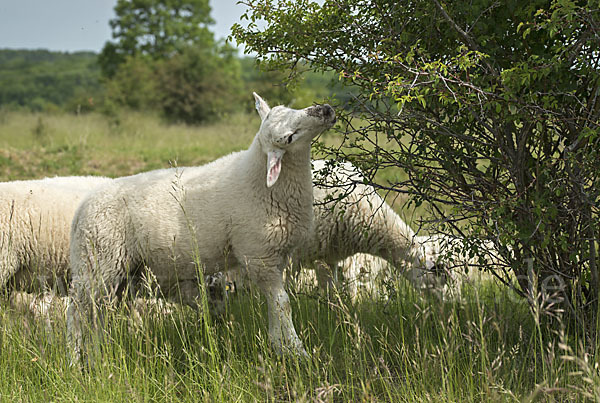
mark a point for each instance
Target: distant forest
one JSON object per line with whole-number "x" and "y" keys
{"x": 42, "y": 80}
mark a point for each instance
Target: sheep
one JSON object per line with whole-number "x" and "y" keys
{"x": 35, "y": 224}
{"x": 352, "y": 222}
{"x": 440, "y": 267}
{"x": 246, "y": 210}
{"x": 364, "y": 275}
{"x": 354, "y": 229}
{"x": 351, "y": 218}
{"x": 35, "y": 221}
{"x": 443, "y": 268}
{"x": 48, "y": 306}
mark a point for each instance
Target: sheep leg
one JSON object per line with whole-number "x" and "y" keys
{"x": 281, "y": 328}
{"x": 93, "y": 289}
{"x": 324, "y": 275}
{"x": 78, "y": 315}
{"x": 327, "y": 275}
{"x": 85, "y": 321}
{"x": 8, "y": 266}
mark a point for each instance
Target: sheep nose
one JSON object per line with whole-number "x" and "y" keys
{"x": 438, "y": 270}
{"x": 329, "y": 113}
{"x": 325, "y": 111}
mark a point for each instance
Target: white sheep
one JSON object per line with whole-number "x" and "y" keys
{"x": 35, "y": 224}
{"x": 351, "y": 218}
{"x": 442, "y": 268}
{"x": 351, "y": 221}
{"x": 361, "y": 222}
{"x": 364, "y": 275}
{"x": 248, "y": 210}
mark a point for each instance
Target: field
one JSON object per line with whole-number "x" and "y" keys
{"x": 403, "y": 345}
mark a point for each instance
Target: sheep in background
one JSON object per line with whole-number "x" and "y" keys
{"x": 247, "y": 210}
{"x": 442, "y": 272}
{"x": 351, "y": 218}
{"x": 365, "y": 275}
{"x": 35, "y": 224}
{"x": 358, "y": 232}
{"x": 47, "y": 307}
{"x": 35, "y": 218}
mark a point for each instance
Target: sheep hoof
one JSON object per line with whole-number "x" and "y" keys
{"x": 297, "y": 351}
{"x": 303, "y": 354}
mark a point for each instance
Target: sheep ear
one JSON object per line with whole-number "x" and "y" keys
{"x": 273, "y": 165}
{"x": 261, "y": 106}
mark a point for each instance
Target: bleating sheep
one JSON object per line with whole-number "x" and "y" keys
{"x": 35, "y": 223}
{"x": 247, "y": 210}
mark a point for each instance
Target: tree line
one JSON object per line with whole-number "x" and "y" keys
{"x": 162, "y": 58}
{"x": 43, "y": 80}
{"x": 192, "y": 87}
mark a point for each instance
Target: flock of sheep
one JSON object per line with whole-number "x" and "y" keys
{"x": 249, "y": 213}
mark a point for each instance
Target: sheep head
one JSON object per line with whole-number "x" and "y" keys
{"x": 289, "y": 130}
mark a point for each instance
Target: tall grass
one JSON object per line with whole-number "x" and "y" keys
{"x": 409, "y": 347}
{"x": 36, "y": 145}
{"x": 401, "y": 346}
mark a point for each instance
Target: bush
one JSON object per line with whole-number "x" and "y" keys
{"x": 134, "y": 85}
{"x": 199, "y": 85}
{"x": 497, "y": 126}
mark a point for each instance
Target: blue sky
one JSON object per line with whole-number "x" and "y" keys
{"x": 72, "y": 25}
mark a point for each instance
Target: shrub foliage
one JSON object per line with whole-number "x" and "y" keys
{"x": 492, "y": 109}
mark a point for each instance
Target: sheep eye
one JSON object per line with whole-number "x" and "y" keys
{"x": 291, "y": 137}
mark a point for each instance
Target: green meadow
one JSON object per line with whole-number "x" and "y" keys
{"x": 401, "y": 345}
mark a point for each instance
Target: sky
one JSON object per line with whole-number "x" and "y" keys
{"x": 74, "y": 25}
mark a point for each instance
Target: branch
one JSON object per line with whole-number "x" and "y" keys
{"x": 466, "y": 38}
